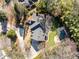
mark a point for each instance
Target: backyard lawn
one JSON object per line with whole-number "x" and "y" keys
{"x": 51, "y": 36}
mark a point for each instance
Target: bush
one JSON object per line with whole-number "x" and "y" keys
{"x": 41, "y": 6}
{"x": 11, "y": 33}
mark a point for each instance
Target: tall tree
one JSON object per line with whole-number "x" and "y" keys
{"x": 41, "y": 6}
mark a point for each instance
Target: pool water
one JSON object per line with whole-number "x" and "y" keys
{"x": 62, "y": 34}
{"x": 21, "y": 30}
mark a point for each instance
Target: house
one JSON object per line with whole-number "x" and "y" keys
{"x": 37, "y": 35}
{"x": 37, "y": 30}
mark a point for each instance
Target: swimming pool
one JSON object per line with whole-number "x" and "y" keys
{"x": 21, "y": 30}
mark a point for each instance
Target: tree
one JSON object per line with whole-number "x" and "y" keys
{"x": 11, "y": 34}
{"x": 41, "y": 6}
{"x": 20, "y": 12}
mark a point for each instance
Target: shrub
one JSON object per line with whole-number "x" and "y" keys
{"x": 11, "y": 33}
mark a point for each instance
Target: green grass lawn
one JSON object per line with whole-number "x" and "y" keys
{"x": 51, "y": 36}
